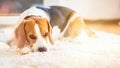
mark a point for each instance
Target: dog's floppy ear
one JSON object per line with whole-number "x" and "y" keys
{"x": 49, "y": 33}
{"x": 20, "y": 35}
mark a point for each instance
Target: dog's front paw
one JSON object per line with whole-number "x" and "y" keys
{"x": 24, "y": 50}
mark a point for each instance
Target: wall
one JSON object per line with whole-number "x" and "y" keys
{"x": 88, "y": 9}
{"x": 91, "y": 9}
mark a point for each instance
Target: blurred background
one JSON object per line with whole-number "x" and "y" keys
{"x": 103, "y": 15}
{"x": 15, "y": 7}
{"x": 89, "y": 9}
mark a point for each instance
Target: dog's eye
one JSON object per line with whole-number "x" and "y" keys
{"x": 32, "y": 37}
{"x": 46, "y": 34}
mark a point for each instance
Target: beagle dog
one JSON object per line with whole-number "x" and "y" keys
{"x": 34, "y": 28}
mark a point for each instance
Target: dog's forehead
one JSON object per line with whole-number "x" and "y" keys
{"x": 42, "y": 22}
{"x": 43, "y": 25}
{"x": 30, "y": 26}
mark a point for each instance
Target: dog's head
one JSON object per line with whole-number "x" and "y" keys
{"x": 35, "y": 32}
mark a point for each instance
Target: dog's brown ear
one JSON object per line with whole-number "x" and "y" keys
{"x": 50, "y": 33}
{"x": 20, "y": 35}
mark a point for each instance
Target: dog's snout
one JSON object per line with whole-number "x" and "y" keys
{"x": 42, "y": 49}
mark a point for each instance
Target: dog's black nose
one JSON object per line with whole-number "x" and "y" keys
{"x": 42, "y": 49}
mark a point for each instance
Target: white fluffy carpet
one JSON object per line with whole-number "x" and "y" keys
{"x": 102, "y": 51}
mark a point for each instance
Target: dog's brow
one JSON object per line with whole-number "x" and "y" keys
{"x": 29, "y": 16}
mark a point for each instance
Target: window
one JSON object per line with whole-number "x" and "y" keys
{"x": 15, "y": 7}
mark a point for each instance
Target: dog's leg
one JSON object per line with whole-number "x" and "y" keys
{"x": 25, "y": 50}
{"x": 88, "y": 31}
{"x": 12, "y": 42}
{"x": 75, "y": 27}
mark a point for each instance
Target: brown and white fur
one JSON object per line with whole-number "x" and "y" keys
{"x": 34, "y": 30}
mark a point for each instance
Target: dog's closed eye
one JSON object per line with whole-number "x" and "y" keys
{"x": 32, "y": 37}
{"x": 46, "y": 34}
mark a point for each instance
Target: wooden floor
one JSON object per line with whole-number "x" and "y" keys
{"x": 107, "y": 26}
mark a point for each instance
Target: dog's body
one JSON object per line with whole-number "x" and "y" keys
{"x": 41, "y": 20}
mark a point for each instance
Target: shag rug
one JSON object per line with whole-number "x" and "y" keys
{"x": 101, "y": 51}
